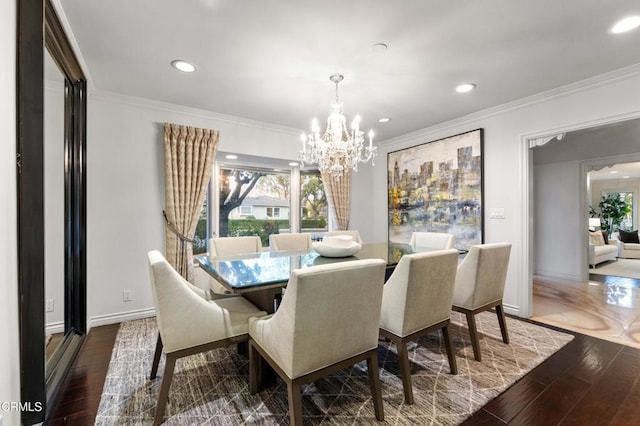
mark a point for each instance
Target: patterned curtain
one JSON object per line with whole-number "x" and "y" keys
{"x": 339, "y": 195}
{"x": 188, "y": 158}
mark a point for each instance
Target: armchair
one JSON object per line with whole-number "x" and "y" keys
{"x": 432, "y": 240}
{"x": 289, "y": 242}
{"x": 327, "y": 321}
{"x": 227, "y": 246}
{"x": 417, "y": 301}
{"x": 188, "y": 323}
{"x": 480, "y": 281}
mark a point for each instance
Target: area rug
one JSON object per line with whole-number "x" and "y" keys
{"x": 629, "y": 268}
{"x": 212, "y": 388}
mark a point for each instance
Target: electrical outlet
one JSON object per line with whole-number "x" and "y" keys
{"x": 126, "y": 296}
{"x": 48, "y": 307}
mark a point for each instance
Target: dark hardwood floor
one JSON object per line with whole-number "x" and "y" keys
{"x": 588, "y": 382}
{"x": 79, "y": 396}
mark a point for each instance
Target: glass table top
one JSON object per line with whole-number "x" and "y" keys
{"x": 249, "y": 272}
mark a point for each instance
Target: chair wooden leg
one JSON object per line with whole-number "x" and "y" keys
{"x": 374, "y": 383}
{"x": 255, "y": 370}
{"x": 295, "y": 404}
{"x": 164, "y": 389}
{"x": 450, "y": 352}
{"x": 503, "y": 323}
{"x": 156, "y": 358}
{"x": 473, "y": 334}
{"x": 405, "y": 371}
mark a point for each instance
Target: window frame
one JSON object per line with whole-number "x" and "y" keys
{"x": 213, "y": 211}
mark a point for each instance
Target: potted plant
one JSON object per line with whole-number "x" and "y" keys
{"x": 612, "y": 212}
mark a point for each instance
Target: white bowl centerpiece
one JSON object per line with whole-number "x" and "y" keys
{"x": 337, "y": 246}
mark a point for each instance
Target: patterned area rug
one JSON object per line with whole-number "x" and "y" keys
{"x": 212, "y": 388}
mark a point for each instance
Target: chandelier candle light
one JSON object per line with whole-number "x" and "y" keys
{"x": 338, "y": 149}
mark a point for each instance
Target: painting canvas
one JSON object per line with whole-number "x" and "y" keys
{"x": 437, "y": 187}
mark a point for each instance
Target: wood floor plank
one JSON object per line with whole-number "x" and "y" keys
{"x": 629, "y": 411}
{"x": 608, "y": 393}
{"x": 595, "y": 360}
{"x": 508, "y": 404}
{"x": 552, "y": 405}
{"x": 79, "y": 396}
{"x": 483, "y": 418}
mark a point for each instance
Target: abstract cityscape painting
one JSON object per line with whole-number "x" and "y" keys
{"x": 437, "y": 187}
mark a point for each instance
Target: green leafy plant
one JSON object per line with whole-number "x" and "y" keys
{"x": 612, "y": 212}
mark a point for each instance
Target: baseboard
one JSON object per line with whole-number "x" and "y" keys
{"x": 120, "y": 317}
{"x": 511, "y": 309}
{"x": 569, "y": 277}
{"x": 54, "y": 328}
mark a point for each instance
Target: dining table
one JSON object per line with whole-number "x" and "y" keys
{"x": 260, "y": 277}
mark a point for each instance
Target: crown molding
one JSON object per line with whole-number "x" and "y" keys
{"x": 113, "y": 97}
{"x": 558, "y": 92}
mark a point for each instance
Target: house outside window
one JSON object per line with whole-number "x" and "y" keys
{"x": 273, "y": 211}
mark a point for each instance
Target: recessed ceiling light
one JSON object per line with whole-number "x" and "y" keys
{"x": 183, "y": 66}
{"x": 613, "y": 171}
{"x": 627, "y": 24}
{"x": 231, "y": 157}
{"x": 465, "y": 87}
{"x": 379, "y": 47}
{"x": 293, "y": 164}
{"x": 626, "y": 177}
{"x": 384, "y": 120}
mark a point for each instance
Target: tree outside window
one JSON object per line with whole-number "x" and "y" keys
{"x": 313, "y": 202}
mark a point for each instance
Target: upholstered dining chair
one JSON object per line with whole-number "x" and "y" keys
{"x": 432, "y": 240}
{"x": 480, "y": 286}
{"x": 188, "y": 323}
{"x": 417, "y": 301}
{"x": 327, "y": 321}
{"x": 352, "y": 233}
{"x": 289, "y": 242}
{"x": 228, "y": 246}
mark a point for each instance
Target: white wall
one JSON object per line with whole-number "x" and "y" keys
{"x": 125, "y": 173}
{"x": 506, "y": 160}
{"x": 9, "y": 343}
{"x": 558, "y": 249}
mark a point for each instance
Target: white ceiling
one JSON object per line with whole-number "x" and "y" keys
{"x": 270, "y": 60}
{"x": 616, "y": 171}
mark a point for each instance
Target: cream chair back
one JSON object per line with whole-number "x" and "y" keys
{"x": 419, "y": 293}
{"x": 289, "y": 242}
{"x": 352, "y": 233}
{"x": 188, "y": 323}
{"x": 329, "y": 313}
{"x": 482, "y": 275}
{"x": 181, "y": 310}
{"x": 226, "y": 246}
{"x": 432, "y": 240}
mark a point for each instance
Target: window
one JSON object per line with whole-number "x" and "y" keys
{"x": 246, "y": 210}
{"x": 200, "y": 236}
{"x": 314, "y": 207}
{"x": 273, "y": 211}
{"x": 617, "y": 210}
{"x": 247, "y": 199}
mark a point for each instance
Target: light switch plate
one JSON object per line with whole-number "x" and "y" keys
{"x": 496, "y": 213}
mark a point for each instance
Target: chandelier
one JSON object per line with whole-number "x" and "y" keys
{"x": 338, "y": 149}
